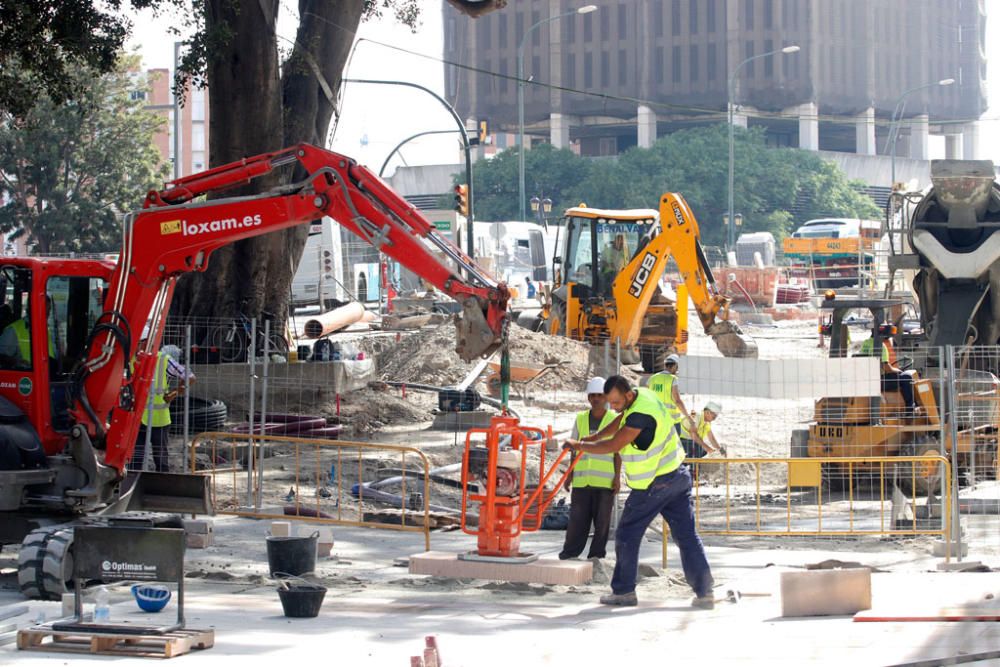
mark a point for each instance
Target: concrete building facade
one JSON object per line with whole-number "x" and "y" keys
{"x": 637, "y": 69}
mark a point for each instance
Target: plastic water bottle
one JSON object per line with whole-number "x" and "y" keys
{"x": 102, "y": 606}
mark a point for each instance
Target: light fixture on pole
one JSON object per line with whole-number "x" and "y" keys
{"x": 731, "y": 88}
{"x": 897, "y": 117}
{"x": 541, "y": 208}
{"x": 520, "y": 99}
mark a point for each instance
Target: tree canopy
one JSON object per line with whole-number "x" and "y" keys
{"x": 69, "y": 170}
{"x": 770, "y": 183}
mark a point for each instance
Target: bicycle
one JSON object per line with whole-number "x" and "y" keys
{"x": 232, "y": 340}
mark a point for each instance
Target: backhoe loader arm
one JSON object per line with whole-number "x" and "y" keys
{"x": 680, "y": 230}
{"x": 679, "y": 236}
{"x": 175, "y": 234}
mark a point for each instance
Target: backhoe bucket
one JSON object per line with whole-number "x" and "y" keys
{"x": 731, "y": 340}
{"x": 181, "y": 493}
{"x": 474, "y": 338}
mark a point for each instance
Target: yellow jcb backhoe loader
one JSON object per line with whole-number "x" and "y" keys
{"x": 608, "y": 285}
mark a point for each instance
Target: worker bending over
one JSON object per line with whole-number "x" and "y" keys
{"x": 653, "y": 460}
{"x": 594, "y": 480}
{"x": 700, "y": 441}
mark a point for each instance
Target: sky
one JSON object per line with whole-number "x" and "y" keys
{"x": 376, "y": 118}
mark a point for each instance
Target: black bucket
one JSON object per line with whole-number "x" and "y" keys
{"x": 300, "y": 599}
{"x": 292, "y": 555}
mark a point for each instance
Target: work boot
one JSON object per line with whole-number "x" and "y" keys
{"x": 703, "y": 602}
{"x": 622, "y": 600}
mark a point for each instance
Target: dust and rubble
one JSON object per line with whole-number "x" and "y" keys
{"x": 428, "y": 357}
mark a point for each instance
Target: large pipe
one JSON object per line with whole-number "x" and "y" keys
{"x": 336, "y": 319}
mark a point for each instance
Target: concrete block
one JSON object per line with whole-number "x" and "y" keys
{"x": 198, "y": 527}
{"x": 199, "y": 541}
{"x": 541, "y": 571}
{"x": 940, "y": 549}
{"x": 825, "y": 592}
{"x": 324, "y": 545}
{"x": 281, "y": 529}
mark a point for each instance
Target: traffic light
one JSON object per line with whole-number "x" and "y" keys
{"x": 462, "y": 199}
{"x": 484, "y": 132}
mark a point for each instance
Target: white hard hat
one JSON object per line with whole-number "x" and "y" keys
{"x": 595, "y": 386}
{"x": 712, "y": 406}
{"x": 172, "y": 351}
{"x": 673, "y": 359}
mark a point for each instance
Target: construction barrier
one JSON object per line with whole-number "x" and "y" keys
{"x": 307, "y": 467}
{"x": 792, "y": 497}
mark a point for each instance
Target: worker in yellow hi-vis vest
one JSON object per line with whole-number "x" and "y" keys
{"x": 666, "y": 387}
{"x": 652, "y": 460}
{"x": 595, "y": 481}
{"x": 700, "y": 442}
{"x": 154, "y": 433}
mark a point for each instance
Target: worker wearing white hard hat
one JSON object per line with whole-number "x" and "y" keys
{"x": 667, "y": 388}
{"x": 700, "y": 441}
{"x": 593, "y": 482}
{"x": 152, "y": 443}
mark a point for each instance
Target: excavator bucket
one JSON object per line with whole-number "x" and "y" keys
{"x": 731, "y": 340}
{"x": 474, "y": 337}
{"x": 181, "y": 493}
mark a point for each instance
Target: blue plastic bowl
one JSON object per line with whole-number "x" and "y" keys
{"x": 151, "y": 598}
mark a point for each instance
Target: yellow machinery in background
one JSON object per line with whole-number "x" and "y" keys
{"x": 608, "y": 287}
{"x": 878, "y": 426}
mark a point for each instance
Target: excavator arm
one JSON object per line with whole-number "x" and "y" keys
{"x": 176, "y": 234}
{"x": 679, "y": 237}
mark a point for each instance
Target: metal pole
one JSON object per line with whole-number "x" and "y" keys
{"x": 956, "y": 525}
{"x": 187, "y": 393}
{"x": 461, "y": 128}
{"x": 406, "y": 141}
{"x": 521, "y": 197}
{"x": 731, "y": 93}
{"x": 177, "y": 116}
{"x": 252, "y": 360}
{"x": 263, "y": 414}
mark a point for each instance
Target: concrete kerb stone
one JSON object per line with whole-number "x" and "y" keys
{"x": 825, "y": 592}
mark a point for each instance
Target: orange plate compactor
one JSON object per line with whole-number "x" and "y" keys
{"x": 508, "y": 503}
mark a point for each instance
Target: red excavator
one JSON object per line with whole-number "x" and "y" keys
{"x": 70, "y": 401}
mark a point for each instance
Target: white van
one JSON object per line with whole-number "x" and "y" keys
{"x": 320, "y": 276}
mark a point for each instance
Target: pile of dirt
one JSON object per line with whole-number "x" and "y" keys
{"x": 428, "y": 357}
{"x": 368, "y": 410}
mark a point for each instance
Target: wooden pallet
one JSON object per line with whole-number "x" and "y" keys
{"x": 168, "y": 645}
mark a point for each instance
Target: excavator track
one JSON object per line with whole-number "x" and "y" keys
{"x": 45, "y": 563}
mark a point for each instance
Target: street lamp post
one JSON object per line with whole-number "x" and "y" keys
{"x": 731, "y": 87}
{"x": 520, "y": 99}
{"x": 897, "y": 117}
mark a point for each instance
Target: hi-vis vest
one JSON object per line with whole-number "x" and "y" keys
{"x": 662, "y": 384}
{"x": 596, "y": 470}
{"x": 20, "y": 328}
{"x": 663, "y": 455}
{"x": 703, "y": 428}
{"x": 161, "y": 410}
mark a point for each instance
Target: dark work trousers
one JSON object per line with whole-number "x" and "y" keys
{"x": 670, "y": 497}
{"x": 159, "y": 439}
{"x": 903, "y": 382}
{"x": 588, "y": 505}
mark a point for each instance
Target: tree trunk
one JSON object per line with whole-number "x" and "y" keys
{"x": 255, "y": 111}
